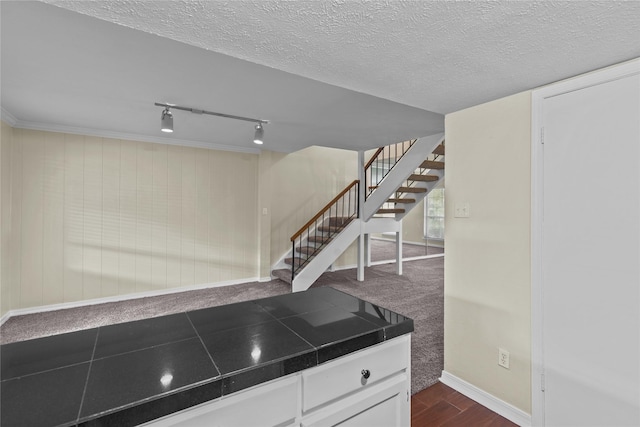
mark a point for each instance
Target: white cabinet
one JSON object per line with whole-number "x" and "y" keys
{"x": 334, "y": 393}
{"x": 384, "y": 404}
{"x": 338, "y": 393}
{"x": 343, "y": 376}
{"x": 271, "y": 404}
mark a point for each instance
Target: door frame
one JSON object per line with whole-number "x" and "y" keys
{"x": 538, "y": 97}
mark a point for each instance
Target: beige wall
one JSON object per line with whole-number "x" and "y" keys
{"x": 96, "y": 217}
{"x": 413, "y": 228}
{"x": 87, "y": 217}
{"x": 413, "y": 225}
{"x": 487, "y": 256}
{"x": 302, "y": 183}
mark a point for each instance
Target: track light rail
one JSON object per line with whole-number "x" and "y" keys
{"x": 211, "y": 113}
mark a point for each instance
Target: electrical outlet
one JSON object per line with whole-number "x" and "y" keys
{"x": 503, "y": 358}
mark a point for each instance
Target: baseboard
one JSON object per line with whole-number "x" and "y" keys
{"x": 5, "y": 317}
{"x": 344, "y": 267}
{"x": 487, "y": 400}
{"x": 425, "y": 242}
{"x": 413, "y": 258}
{"x": 405, "y": 242}
{"x": 116, "y": 298}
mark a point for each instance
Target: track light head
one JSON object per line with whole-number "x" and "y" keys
{"x": 167, "y": 118}
{"x": 257, "y": 138}
{"x": 167, "y": 121}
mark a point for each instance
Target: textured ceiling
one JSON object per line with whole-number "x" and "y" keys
{"x": 68, "y": 72}
{"x": 345, "y": 74}
{"x": 438, "y": 56}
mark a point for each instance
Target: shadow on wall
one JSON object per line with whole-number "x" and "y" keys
{"x": 472, "y": 343}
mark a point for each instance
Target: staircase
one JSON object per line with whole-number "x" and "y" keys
{"x": 428, "y": 175}
{"x": 397, "y": 177}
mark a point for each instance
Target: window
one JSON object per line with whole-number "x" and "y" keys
{"x": 434, "y": 214}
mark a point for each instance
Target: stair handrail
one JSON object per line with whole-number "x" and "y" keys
{"x": 323, "y": 210}
{"x": 385, "y": 152}
{"x": 352, "y": 211}
{"x": 373, "y": 158}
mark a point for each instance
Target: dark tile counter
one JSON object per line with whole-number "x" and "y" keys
{"x": 130, "y": 373}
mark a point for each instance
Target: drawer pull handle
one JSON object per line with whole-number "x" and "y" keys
{"x": 366, "y": 374}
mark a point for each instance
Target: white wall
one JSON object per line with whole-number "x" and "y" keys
{"x": 488, "y": 256}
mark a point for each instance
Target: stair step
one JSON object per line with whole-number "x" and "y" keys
{"x": 432, "y": 164}
{"x": 411, "y": 190}
{"x": 299, "y": 260}
{"x": 283, "y": 274}
{"x": 306, "y": 249}
{"x": 390, "y": 211}
{"x": 439, "y": 150}
{"x": 401, "y": 200}
{"x": 319, "y": 239}
{"x": 422, "y": 178}
{"x": 329, "y": 228}
{"x": 339, "y": 221}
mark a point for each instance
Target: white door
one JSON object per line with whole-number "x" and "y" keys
{"x": 590, "y": 254}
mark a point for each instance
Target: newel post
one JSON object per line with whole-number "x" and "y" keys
{"x": 362, "y": 187}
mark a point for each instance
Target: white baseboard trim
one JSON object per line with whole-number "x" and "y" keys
{"x": 406, "y": 242}
{"x": 5, "y": 317}
{"x": 388, "y": 261}
{"x": 487, "y": 400}
{"x": 116, "y": 298}
{"x": 344, "y": 267}
{"x": 413, "y": 258}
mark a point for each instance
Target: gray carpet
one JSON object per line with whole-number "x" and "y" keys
{"x": 417, "y": 294}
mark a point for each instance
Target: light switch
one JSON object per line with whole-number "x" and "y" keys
{"x": 265, "y": 211}
{"x": 462, "y": 210}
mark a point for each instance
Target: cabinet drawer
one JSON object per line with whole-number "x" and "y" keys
{"x": 271, "y": 404}
{"x": 336, "y": 379}
{"x": 384, "y": 404}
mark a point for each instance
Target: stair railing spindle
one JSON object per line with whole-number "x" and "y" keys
{"x": 325, "y": 217}
{"x": 383, "y": 161}
{"x": 342, "y": 209}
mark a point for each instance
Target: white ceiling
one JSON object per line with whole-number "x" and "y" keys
{"x": 399, "y": 59}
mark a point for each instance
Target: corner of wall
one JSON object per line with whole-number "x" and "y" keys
{"x": 6, "y": 142}
{"x": 488, "y": 255}
{"x": 302, "y": 183}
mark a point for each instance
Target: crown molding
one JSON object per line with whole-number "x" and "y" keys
{"x": 8, "y": 118}
{"x": 49, "y": 127}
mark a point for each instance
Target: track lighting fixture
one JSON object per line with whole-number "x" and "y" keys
{"x": 167, "y": 119}
{"x": 257, "y": 138}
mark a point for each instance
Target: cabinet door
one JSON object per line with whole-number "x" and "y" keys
{"x": 590, "y": 293}
{"x": 381, "y": 414}
{"x": 384, "y": 405}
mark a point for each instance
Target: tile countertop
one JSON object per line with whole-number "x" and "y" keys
{"x": 130, "y": 373}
